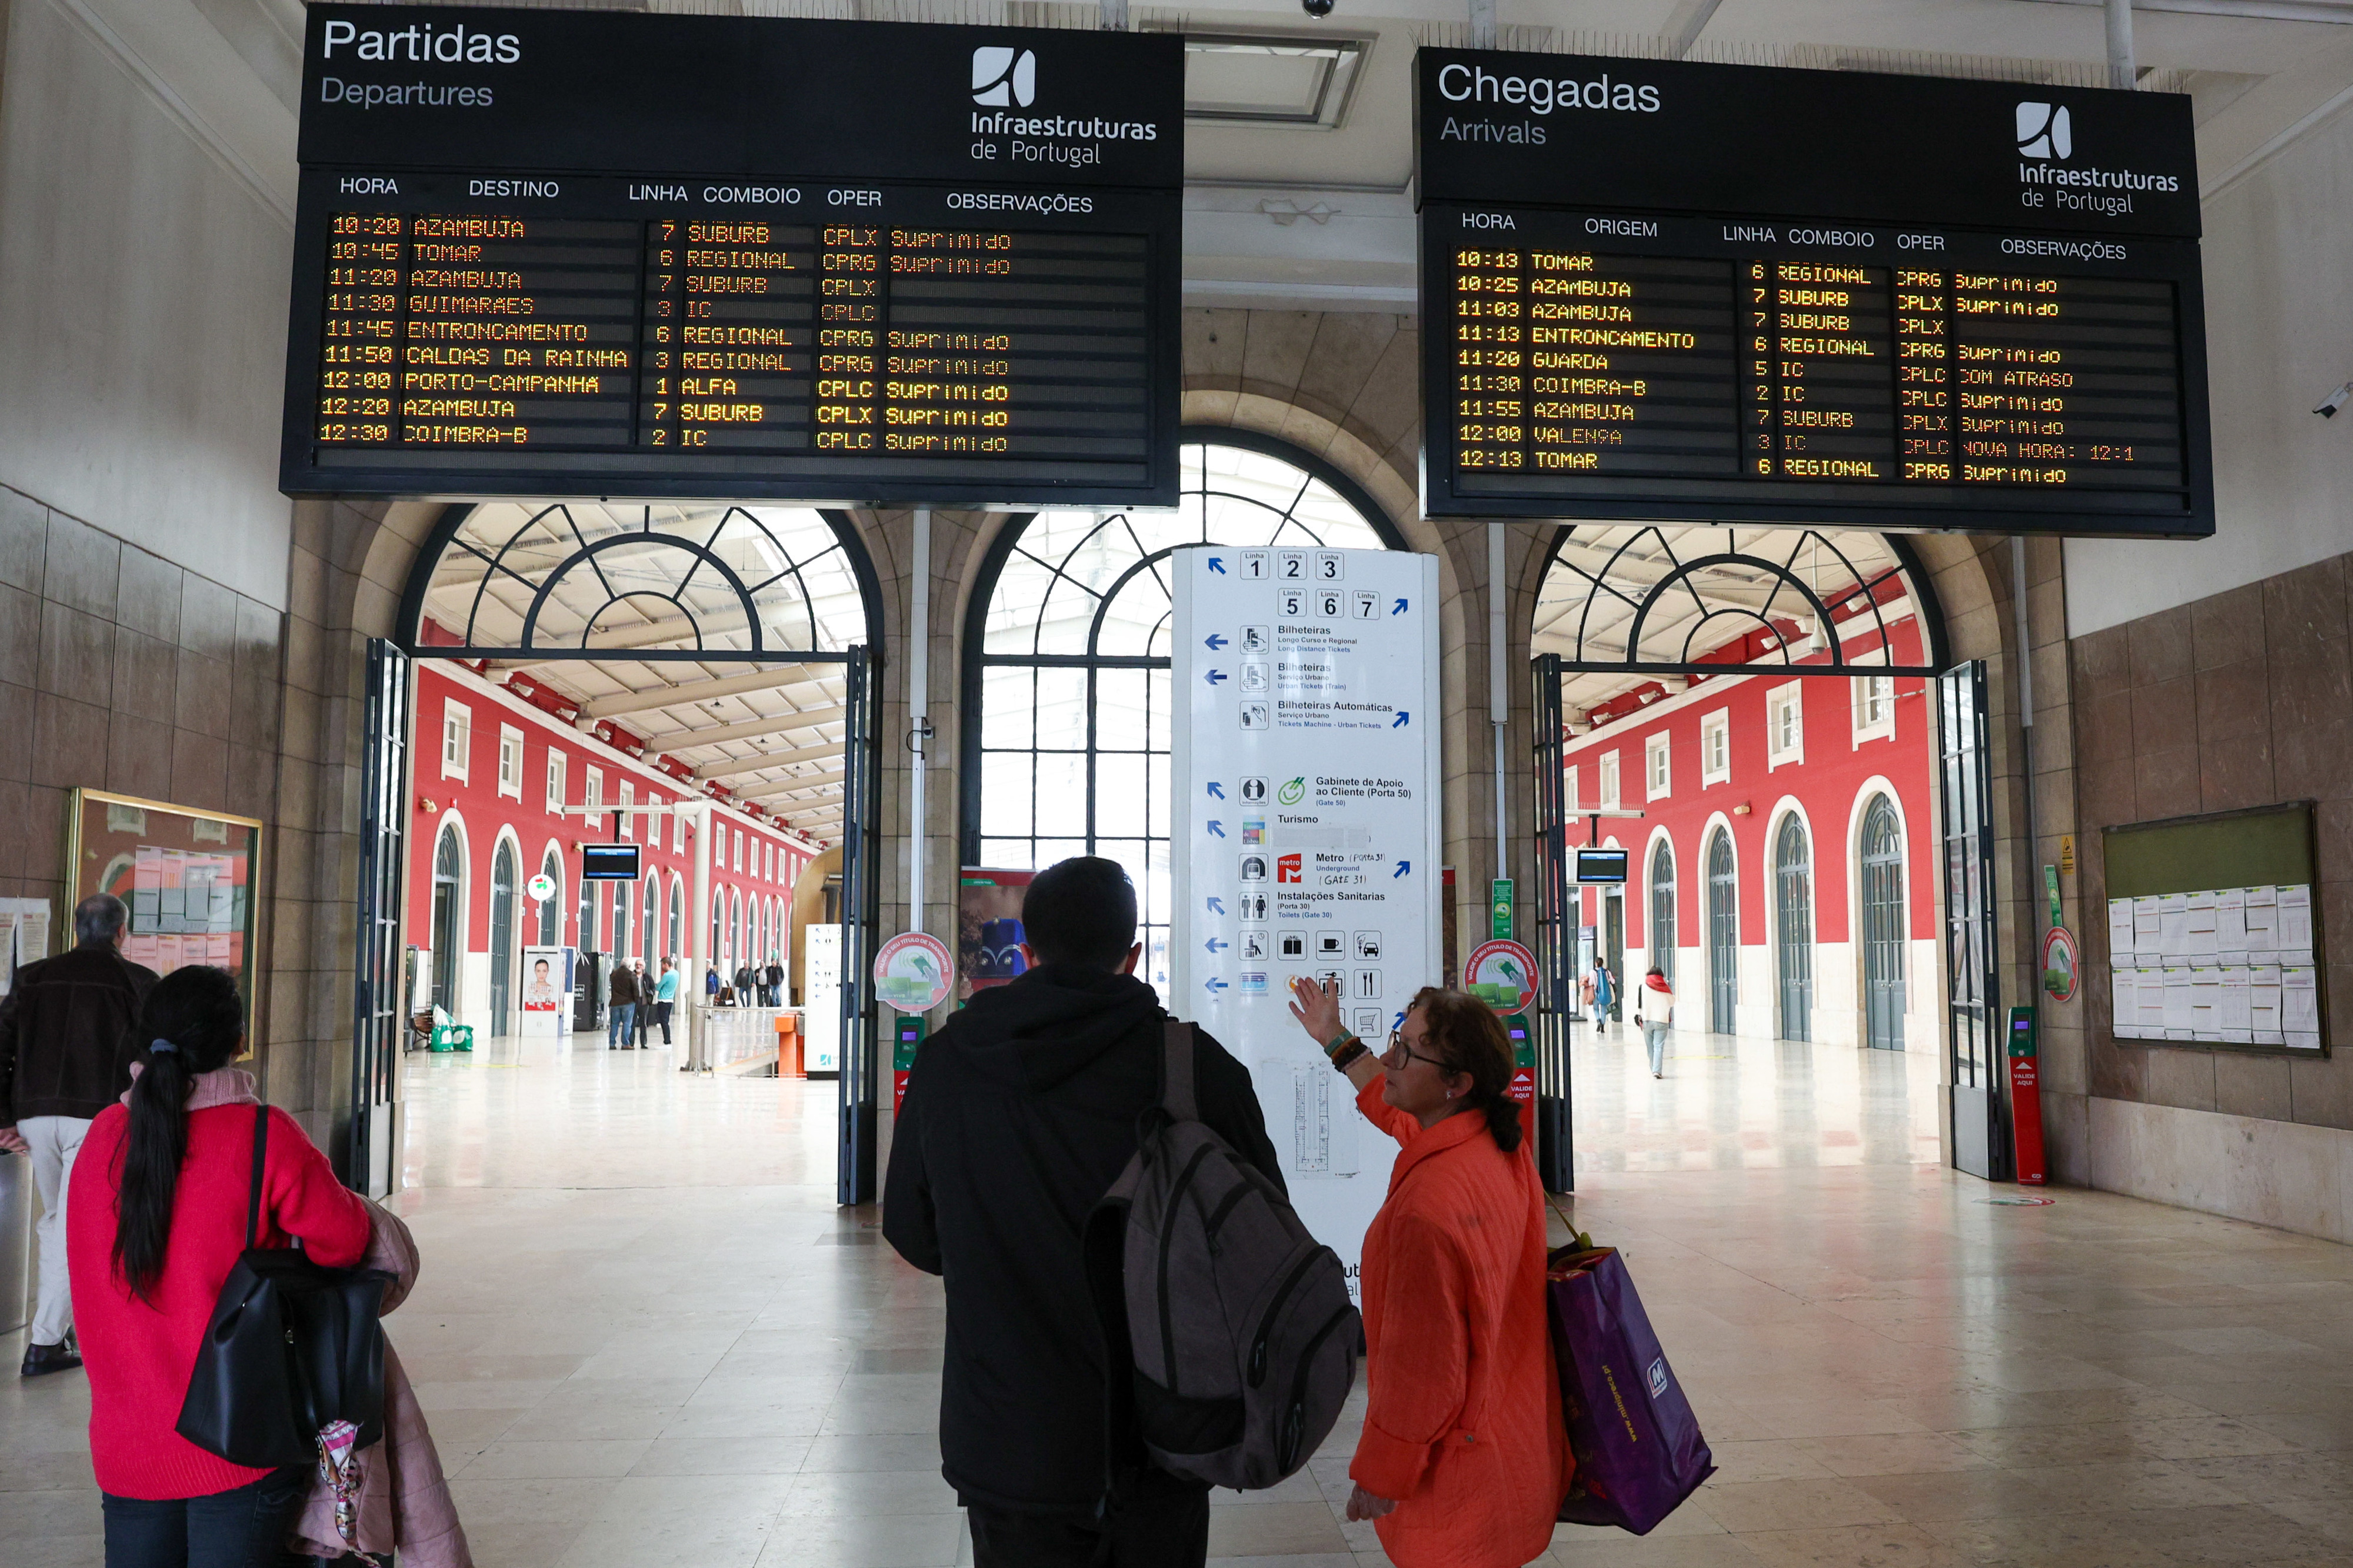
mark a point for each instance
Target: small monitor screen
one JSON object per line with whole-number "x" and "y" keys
{"x": 1601, "y": 864}
{"x": 616, "y": 862}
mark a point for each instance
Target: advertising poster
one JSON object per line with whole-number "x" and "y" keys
{"x": 1304, "y": 834}
{"x": 545, "y": 998}
{"x": 988, "y": 928}
{"x": 821, "y": 995}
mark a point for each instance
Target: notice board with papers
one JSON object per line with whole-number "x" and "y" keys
{"x": 2214, "y": 931}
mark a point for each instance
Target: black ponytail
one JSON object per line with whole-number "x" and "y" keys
{"x": 1470, "y": 1039}
{"x": 192, "y": 1022}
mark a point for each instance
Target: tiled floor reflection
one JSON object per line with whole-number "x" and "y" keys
{"x": 648, "y": 1340}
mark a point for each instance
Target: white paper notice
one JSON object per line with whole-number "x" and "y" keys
{"x": 2206, "y": 1005}
{"x": 1304, "y": 833}
{"x": 2238, "y": 1022}
{"x": 2198, "y": 933}
{"x": 2120, "y": 934}
{"x": 2296, "y": 923}
{"x": 2124, "y": 1008}
{"x": 2263, "y": 1004}
{"x": 2147, "y": 937}
{"x": 2300, "y": 1006}
{"x": 2173, "y": 927}
{"x": 2263, "y": 922}
{"x": 2230, "y": 925}
{"x": 2176, "y": 1003}
{"x": 2149, "y": 989}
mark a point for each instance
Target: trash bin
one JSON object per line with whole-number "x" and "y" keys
{"x": 15, "y": 1241}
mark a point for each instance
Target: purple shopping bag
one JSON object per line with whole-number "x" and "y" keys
{"x": 1638, "y": 1446}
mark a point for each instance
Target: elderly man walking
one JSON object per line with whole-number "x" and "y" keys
{"x": 66, "y": 1047}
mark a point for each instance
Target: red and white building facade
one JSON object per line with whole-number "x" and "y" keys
{"x": 492, "y": 762}
{"x": 1782, "y": 871}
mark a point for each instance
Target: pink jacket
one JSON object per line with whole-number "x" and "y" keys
{"x": 404, "y": 1500}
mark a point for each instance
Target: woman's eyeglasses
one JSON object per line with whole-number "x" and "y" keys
{"x": 1400, "y": 1055}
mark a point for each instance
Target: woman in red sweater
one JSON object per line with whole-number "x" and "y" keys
{"x": 1464, "y": 1460}
{"x": 155, "y": 1221}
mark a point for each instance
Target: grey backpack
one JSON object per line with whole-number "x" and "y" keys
{"x": 1243, "y": 1337}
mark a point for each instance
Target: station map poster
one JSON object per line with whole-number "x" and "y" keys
{"x": 1656, "y": 289}
{"x": 1304, "y": 835}
{"x": 561, "y": 252}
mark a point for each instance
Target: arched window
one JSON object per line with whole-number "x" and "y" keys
{"x": 735, "y": 932}
{"x": 551, "y": 916}
{"x": 503, "y": 878}
{"x": 1793, "y": 927}
{"x": 448, "y": 914}
{"x": 585, "y": 927}
{"x": 1661, "y": 932}
{"x": 651, "y": 916}
{"x": 718, "y": 928}
{"x": 621, "y": 921}
{"x": 1066, "y": 667}
{"x": 677, "y": 947}
{"x": 1722, "y": 934}
{"x": 1880, "y": 849}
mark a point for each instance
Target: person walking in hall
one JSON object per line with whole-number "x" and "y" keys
{"x": 1020, "y": 1114}
{"x": 666, "y": 996}
{"x": 776, "y": 979}
{"x": 66, "y": 1045}
{"x": 157, "y": 1219}
{"x": 1605, "y": 994}
{"x": 743, "y": 985}
{"x": 644, "y": 1019}
{"x": 1464, "y": 1459}
{"x": 1654, "y": 1009}
{"x": 710, "y": 985}
{"x": 623, "y": 998}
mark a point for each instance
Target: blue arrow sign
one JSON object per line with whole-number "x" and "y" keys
{"x": 1217, "y": 905}
{"x": 1403, "y": 866}
{"x": 1217, "y": 827}
{"x": 1214, "y": 676}
{"x": 1401, "y": 720}
{"x": 1214, "y": 945}
{"x": 1217, "y": 789}
{"x": 1218, "y": 565}
{"x": 1398, "y": 608}
{"x": 1213, "y": 642}
{"x": 1213, "y": 985}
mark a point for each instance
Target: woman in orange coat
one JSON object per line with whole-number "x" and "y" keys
{"x": 1464, "y": 1460}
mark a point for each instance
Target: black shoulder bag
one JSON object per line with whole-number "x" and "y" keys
{"x": 292, "y": 1346}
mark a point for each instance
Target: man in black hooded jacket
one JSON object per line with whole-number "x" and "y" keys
{"x": 1020, "y": 1114}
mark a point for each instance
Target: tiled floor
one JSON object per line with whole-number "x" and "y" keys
{"x": 647, "y": 1339}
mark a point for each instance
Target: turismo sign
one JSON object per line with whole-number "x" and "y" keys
{"x": 1304, "y": 832}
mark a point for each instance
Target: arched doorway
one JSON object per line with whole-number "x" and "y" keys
{"x": 1879, "y": 852}
{"x": 1723, "y": 936}
{"x": 701, "y": 645}
{"x": 448, "y": 915}
{"x": 1066, "y": 659}
{"x": 677, "y": 945}
{"x": 1793, "y": 929}
{"x": 1660, "y": 932}
{"x": 502, "y": 937}
{"x": 551, "y": 916}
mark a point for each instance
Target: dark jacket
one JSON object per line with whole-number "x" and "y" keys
{"x": 625, "y": 987}
{"x": 1020, "y": 1114}
{"x": 67, "y": 1034}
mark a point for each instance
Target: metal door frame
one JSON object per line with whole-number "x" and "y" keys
{"x": 1978, "y": 1130}
{"x": 860, "y": 1080}
{"x": 1555, "y": 933}
{"x": 371, "y": 1135}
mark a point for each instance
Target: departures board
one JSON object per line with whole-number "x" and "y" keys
{"x": 547, "y": 252}
{"x": 1720, "y": 293}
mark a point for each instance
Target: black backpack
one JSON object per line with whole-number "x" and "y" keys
{"x": 1238, "y": 1320}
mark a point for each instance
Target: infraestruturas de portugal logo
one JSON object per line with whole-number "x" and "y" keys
{"x": 2043, "y": 129}
{"x": 1004, "y": 77}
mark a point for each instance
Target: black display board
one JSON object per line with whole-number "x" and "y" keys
{"x": 551, "y": 252}
{"x": 1728, "y": 293}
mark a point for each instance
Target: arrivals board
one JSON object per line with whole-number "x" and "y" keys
{"x": 549, "y": 252}
{"x": 1719, "y": 293}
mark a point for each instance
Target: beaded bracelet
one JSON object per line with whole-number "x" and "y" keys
{"x": 1332, "y": 1046}
{"x": 1345, "y": 1057}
